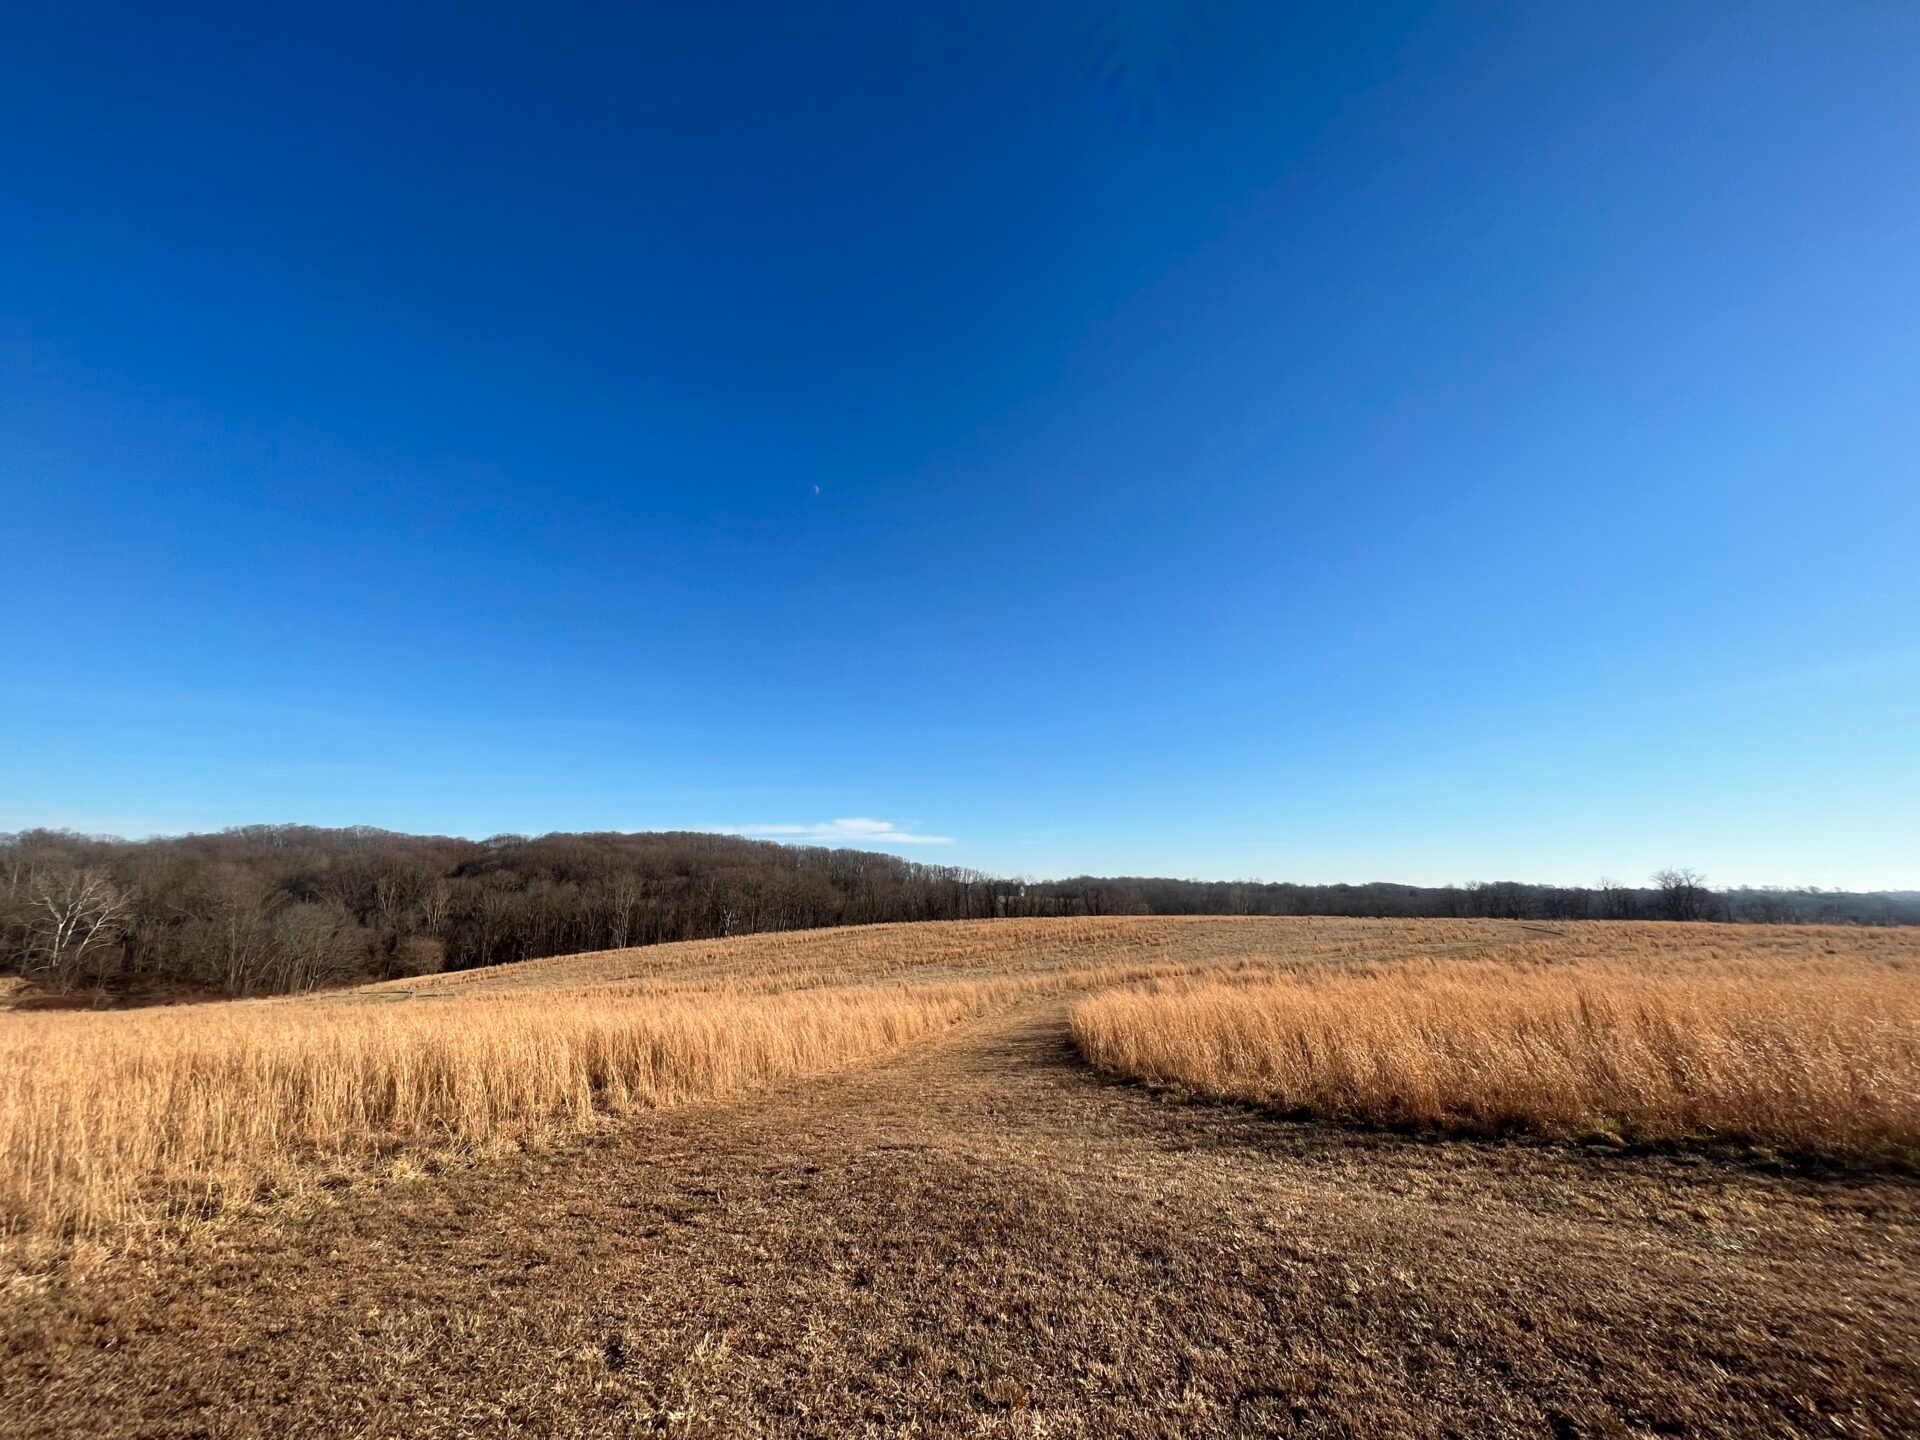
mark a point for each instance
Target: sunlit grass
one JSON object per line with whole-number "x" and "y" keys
{"x": 1817, "y": 1054}
{"x": 118, "y": 1124}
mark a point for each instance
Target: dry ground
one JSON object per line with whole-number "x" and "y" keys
{"x": 981, "y": 1237}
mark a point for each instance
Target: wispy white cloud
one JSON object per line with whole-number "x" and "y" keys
{"x": 853, "y": 830}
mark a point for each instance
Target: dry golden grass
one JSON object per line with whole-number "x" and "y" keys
{"x": 1804, "y": 1040}
{"x": 966, "y": 949}
{"x": 113, "y": 1119}
{"x": 115, "y": 1124}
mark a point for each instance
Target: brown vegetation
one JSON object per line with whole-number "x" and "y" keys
{"x": 978, "y": 1237}
{"x": 116, "y": 1120}
{"x": 113, "y": 1122}
{"x": 966, "y": 1234}
{"x": 1811, "y": 1046}
{"x": 107, "y": 1120}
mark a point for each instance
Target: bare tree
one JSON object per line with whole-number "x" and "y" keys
{"x": 396, "y": 895}
{"x": 435, "y": 901}
{"x": 75, "y": 914}
{"x": 1616, "y": 900}
{"x": 622, "y": 900}
{"x": 313, "y": 944}
{"x": 1683, "y": 894}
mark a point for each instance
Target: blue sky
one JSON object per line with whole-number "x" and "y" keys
{"x": 1423, "y": 442}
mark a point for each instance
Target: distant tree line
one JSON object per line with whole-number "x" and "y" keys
{"x": 1669, "y": 895}
{"x": 271, "y": 909}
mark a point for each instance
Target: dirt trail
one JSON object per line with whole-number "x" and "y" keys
{"x": 979, "y": 1237}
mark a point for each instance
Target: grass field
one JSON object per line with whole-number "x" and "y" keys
{"x": 114, "y": 1123}
{"x": 1812, "y": 1053}
{"x": 864, "y": 1182}
{"x": 1804, "y": 1038}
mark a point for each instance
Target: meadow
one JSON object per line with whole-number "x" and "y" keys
{"x": 117, "y": 1125}
{"x": 1810, "y": 1047}
{"x": 901, "y": 1179}
{"x": 121, "y": 1124}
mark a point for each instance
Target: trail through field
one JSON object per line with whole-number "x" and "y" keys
{"x": 981, "y": 1237}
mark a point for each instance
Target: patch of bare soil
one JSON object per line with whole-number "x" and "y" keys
{"x": 983, "y": 1238}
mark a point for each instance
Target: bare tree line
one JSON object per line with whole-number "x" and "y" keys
{"x": 279, "y": 909}
{"x": 1671, "y": 894}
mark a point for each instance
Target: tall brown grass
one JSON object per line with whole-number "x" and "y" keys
{"x": 117, "y": 1124}
{"x": 1820, "y": 1057}
{"x": 114, "y": 1122}
{"x": 110, "y": 1120}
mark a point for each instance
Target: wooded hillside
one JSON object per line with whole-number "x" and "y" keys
{"x": 274, "y": 908}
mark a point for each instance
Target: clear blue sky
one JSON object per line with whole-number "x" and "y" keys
{"x": 1423, "y": 442}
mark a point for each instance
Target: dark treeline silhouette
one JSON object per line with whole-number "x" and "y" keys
{"x": 268, "y": 909}
{"x": 1671, "y": 895}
